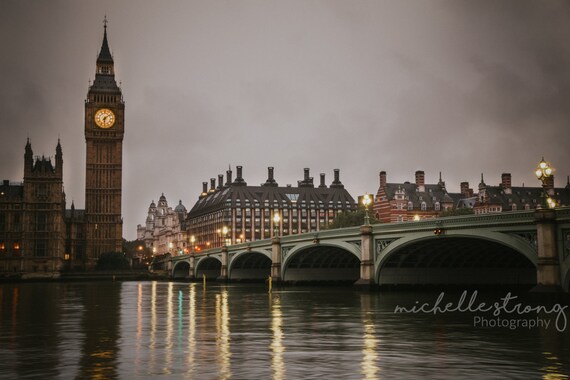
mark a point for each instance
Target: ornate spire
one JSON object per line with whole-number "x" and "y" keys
{"x": 105, "y": 53}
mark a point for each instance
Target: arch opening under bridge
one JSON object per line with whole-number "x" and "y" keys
{"x": 322, "y": 263}
{"x": 456, "y": 260}
{"x": 209, "y": 266}
{"x": 250, "y": 266}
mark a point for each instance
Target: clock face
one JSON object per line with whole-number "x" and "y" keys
{"x": 104, "y": 118}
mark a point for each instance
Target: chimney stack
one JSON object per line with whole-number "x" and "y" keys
{"x": 220, "y": 181}
{"x": 228, "y": 177}
{"x": 204, "y": 188}
{"x": 420, "y": 180}
{"x": 336, "y": 182}
{"x": 306, "y": 178}
{"x": 212, "y": 185}
{"x": 506, "y": 183}
{"x": 323, "y": 184}
{"x": 382, "y": 178}
{"x": 239, "y": 179}
{"x": 465, "y": 189}
{"x": 270, "y": 178}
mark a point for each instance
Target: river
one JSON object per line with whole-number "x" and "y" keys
{"x": 153, "y": 330}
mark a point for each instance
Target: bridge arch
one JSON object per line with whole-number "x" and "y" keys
{"x": 322, "y": 262}
{"x": 457, "y": 258}
{"x": 181, "y": 270}
{"x": 250, "y": 265}
{"x": 211, "y": 266}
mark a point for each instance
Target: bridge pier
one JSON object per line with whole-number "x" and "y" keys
{"x": 276, "y": 260}
{"x": 367, "y": 263}
{"x": 548, "y": 265}
{"x": 224, "y": 270}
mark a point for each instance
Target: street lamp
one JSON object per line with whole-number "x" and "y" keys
{"x": 543, "y": 172}
{"x": 225, "y": 234}
{"x": 276, "y": 220}
{"x": 192, "y": 241}
{"x": 366, "y": 200}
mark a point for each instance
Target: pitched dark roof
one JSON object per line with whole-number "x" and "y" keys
{"x": 273, "y": 197}
{"x": 11, "y": 191}
{"x": 431, "y": 195}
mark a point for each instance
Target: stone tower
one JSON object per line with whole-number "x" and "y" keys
{"x": 104, "y": 130}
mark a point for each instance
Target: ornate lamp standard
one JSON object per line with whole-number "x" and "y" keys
{"x": 225, "y": 231}
{"x": 276, "y": 220}
{"x": 366, "y": 200}
{"x": 543, "y": 172}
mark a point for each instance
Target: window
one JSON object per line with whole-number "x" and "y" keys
{"x": 437, "y": 206}
{"x": 423, "y": 206}
{"x": 410, "y": 205}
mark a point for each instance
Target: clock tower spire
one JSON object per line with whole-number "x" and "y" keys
{"x": 104, "y": 131}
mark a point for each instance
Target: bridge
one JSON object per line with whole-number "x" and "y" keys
{"x": 519, "y": 248}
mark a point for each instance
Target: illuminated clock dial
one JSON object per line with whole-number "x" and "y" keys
{"x": 104, "y": 118}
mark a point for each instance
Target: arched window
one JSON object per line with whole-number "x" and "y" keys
{"x": 424, "y": 206}
{"x": 410, "y": 205}
{"x": 437, "y": 206}
{"x": 514, "y": 207}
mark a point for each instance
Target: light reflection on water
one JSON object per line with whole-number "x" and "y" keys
{"x": 180, "y": 330}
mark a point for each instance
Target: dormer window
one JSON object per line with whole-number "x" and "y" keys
{"x": 437, "y": 206}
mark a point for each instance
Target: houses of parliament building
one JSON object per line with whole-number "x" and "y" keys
{"x": 39, "y": 236}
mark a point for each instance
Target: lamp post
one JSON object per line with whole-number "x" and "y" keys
{"x": 276, "y": 220}
{"x": 366, "y": 200}
{"x": 225, "y": 234}
{"x": 543, "y": 172}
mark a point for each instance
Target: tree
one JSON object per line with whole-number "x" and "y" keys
{"x": 351, "y": 219}
{"x": 112, "y": 261}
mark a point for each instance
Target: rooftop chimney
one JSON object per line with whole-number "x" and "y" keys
{"x": 506, "y": 183}
{"x": 464, "y": 186}
{"x": 239, "y": 179}
{"x": 323, "y": 184}
{"x": 382, "y": 178}
{"x": 307, "y": 181}
{"x": 228, "y": 177}
{"x": 204, "y": 188}
{"x": 270, "y": 180}
{"x": 212, "y": 185}
{"x": 420, "y": 180}
{"x": 336, "y": 182}
{"x": 220, "y": 181}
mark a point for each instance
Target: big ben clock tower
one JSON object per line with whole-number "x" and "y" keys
{"x": 104, "y": 130}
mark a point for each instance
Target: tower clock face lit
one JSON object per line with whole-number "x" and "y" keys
{"x": 104, "y": 118}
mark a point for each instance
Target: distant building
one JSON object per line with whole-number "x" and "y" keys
{"x": 248, "y": 211}
{"x": 505, "y": 197}
{"x": 32, "y": 228}
{"x": 165, "y": 228}
{"x": 401, "y": 202}
{"x": 37, "y": 233}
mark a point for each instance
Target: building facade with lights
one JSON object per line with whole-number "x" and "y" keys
{"x": 32, "y": 228}
{"x": 401, "y": 202}
{"x": 165, "y": 228}
{"x": 37, "y": 234}
{"x": 248, "y": 212}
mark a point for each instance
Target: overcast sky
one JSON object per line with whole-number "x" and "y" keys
{"x": 461, "y": 87}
